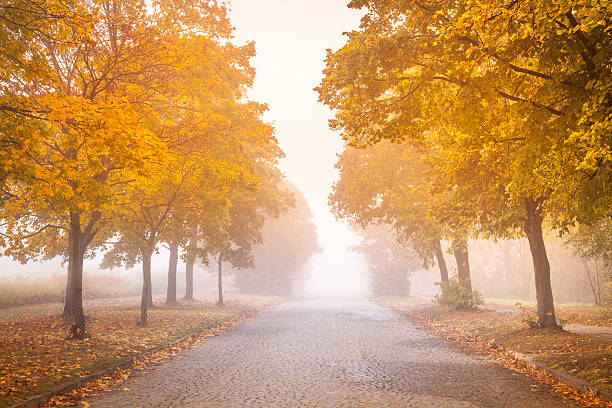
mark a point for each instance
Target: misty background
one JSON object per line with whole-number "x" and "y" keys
{"x": 333, "y": 258}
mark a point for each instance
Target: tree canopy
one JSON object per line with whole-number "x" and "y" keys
{"x": 124, "y": 125}
{"x": 512, "y": 99}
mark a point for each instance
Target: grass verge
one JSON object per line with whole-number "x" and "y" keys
{"x": 35, "y": 358}
{"x": 569, "y": 313}
{"x": 22, "y": 290}
{"x": 495, "y": 335}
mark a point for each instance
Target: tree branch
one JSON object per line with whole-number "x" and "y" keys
{"x": 534, "y": 103}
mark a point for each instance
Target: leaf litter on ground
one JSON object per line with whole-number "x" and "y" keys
{"x": 500, "y": 337}
{"x": 35, "y": 356}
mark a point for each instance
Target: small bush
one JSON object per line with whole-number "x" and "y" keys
{"x": 529, "y": 317}
{"x": 457, "y": 295}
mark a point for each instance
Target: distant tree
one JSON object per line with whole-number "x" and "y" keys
{"x": 390, "y": 264}
{"x": 242, "y": 231}
{"x": 593, "y": 245}
{"x": 392, "y": 183}
{"x": 288, "y": 242}
{"x": 146, "y": 219}
{"x": 249, "y": 208}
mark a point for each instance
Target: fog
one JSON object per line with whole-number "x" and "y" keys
{"x": 337, "y": 270}
{"x": 204, "y": 281}
{"x": 291, "y": 38}
{"x": 288, "y": 66}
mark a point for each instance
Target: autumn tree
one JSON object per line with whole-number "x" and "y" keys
{"x": 70, "y": 141}
{"x": 390, "y": 183}
{"x": 515, "y": 93}
{"x": 287, "y": 244}
{"x": 147, "y": 217}
{"x": 238, "y": 236}
{"x": 207, "y": 163}
{"x": 250, "y": 207}
{"x": 217, "y": 146}
{"x": 390, "y": 263}
{"x": 85, "y": 79}
{"x": 591, "y": 243}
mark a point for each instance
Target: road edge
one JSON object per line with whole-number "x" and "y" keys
{"x": 37, "y": 400}
{"x": 565, "y": 378}
{"x": 576, "y": 383}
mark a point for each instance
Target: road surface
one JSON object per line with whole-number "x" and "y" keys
{"x": 326, "y": 353}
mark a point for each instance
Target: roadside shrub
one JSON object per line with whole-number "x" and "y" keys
{"x": 528, "y": 316}
{"x": 457, "y": 295}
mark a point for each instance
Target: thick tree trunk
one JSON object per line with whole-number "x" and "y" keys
{"x": 541, "y": 267}
{"x": 193, "y": 246}
{"x": 220, "y": 279}
{"x": 441, "y": 262}
{"x": 146, "y": 284}
{"x": 460, "y": 250}
{"x": 171, "y": 291}
{"x": 73, "y": 306}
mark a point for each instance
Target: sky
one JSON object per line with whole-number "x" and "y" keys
{"x": 291, "y": 37}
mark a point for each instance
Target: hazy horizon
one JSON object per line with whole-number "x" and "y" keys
{"x": 291, "y": 38}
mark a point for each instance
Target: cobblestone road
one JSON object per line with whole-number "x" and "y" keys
{"x": 326, "y": 353}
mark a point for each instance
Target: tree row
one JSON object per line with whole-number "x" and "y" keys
{"x": 125, "y": 125}
{"x": 475, "y": 119}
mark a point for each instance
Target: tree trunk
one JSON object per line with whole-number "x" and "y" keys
{"x": 460, "y": 250}
{"x": 73, "y": 306}
{"x": 171, "y": 291}
{"x": 541, "y": 267}
{"x": 150, "y": 287}
{"x": 191, "y": 257}
{"x": 69, "y": 294}
{"x": 220, "y": 280}
{"x": 441, "y": 262}
{"x": 146, "y": 284}
{"x": 597, "y": 283}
